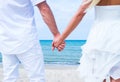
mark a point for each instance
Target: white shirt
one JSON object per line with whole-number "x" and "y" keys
{"x": 17, "y": 25}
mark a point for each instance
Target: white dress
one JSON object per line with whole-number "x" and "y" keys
{"x": 101, "y": 53}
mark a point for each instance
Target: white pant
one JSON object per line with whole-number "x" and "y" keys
{"x": 32, "y": 61}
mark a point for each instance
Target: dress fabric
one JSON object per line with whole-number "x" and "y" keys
{"x": 101, "y": 52}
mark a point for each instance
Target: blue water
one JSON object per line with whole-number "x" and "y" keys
{"x": 70, "y": 55}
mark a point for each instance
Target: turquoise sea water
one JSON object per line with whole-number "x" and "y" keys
{"x": 70, "y": 55}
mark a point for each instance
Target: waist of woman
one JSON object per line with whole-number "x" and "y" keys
{"x": 111, "y": 13}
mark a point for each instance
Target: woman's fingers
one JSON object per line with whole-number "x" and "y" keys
{"x": 61, "y": 46}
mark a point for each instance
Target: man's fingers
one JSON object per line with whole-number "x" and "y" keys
{"x": 53, "y": 47}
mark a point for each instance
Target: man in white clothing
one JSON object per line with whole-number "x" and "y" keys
{"x": 18, "y": 38}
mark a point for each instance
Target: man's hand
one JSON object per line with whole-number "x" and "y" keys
{"x": 60, "y": 46}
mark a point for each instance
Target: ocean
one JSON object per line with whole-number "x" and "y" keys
{"x": 69, "y": 56}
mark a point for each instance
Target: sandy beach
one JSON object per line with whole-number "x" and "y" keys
{"x": 53, "y": 73}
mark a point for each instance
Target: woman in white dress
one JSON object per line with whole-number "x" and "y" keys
{"x": 101, "y": 53}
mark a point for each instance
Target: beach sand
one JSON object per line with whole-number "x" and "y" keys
{"x": 53, "y": 73}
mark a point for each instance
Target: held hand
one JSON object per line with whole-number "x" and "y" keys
{"x": 58, "y": 43}
{"x": 61, "y": 46}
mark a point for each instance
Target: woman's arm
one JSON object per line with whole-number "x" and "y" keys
{"x": 74, "y": 21}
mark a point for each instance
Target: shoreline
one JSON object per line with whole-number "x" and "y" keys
{"x": 62, "y": 66}
{"x": 55, "y": 66}
{"x": 53, "y": 73}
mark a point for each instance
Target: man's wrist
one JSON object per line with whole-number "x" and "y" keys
{"x": 56, "y": 34}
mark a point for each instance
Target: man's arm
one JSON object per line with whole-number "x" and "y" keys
{"x": 48, "y": 17}
{"x": 50, "y": 21}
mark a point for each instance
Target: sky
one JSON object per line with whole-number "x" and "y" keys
{"x": 63, "y": 11}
